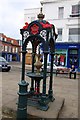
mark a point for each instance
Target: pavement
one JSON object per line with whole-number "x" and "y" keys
{"x": 19, "y": 65}
{"x": 64, "y": 88}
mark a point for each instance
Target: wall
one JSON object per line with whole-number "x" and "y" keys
{"x": 29, "y": 13}
{"x": 50, "y": 9}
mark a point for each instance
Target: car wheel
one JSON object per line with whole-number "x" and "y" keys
{"x": 8, "y": 70}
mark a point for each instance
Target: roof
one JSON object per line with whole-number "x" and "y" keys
{"x": 9, "y": 40}
{"x": 51, "y": 1}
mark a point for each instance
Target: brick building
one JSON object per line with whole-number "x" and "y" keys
{"x": 9, "y": 48}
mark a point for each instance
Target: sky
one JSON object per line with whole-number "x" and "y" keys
{"x": 12, "y": 16}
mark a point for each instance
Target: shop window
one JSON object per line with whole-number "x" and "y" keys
{"x": 73, "y": 51}
{"x": 73, "y": 57}
{"x": 14, "y": 58}
{"x": 75, "y": 61}
{"x": 60, "y": 59}
{"x": 71, "y": 60}
{"x": 60, "y": 12}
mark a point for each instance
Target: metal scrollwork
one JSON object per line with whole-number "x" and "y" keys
{"x": 25, "y": 35}
{"x": 43, "y": 34}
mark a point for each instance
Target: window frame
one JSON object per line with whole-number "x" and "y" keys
{"x": 75, "y": 9}
{"x": 74, "y": 34}
{"x": 60, "y": 12}
{"x": 60, "y": 35}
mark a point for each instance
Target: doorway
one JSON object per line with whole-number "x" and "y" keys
{"x": 73, "y": 57}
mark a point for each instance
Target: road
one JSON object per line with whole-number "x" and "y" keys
{"x": 62, "y": 86}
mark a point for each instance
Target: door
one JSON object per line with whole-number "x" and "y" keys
{"x": 73, "y": 57}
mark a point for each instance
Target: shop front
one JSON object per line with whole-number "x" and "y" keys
{"x": 67, "y": 54}
{"x": 11, "y": 56}
{"x": 60, "y": 58}
{"x": 73, "y": 57}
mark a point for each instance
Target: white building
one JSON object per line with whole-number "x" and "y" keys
{"x": 31, "y": 14}
{"x": 65, "y": 15}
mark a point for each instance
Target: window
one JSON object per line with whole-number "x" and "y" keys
{"x": 2, "y": 48}
{"x": 61, "y": 12}
{"x": 20, "y": 42}
{"x": 11, "y": 41}
{"x": 60, "y": 59}
{"x": 9, "y": 48}
{"x": 16, "y": 49}
{"x": 32, "y": 19}
{"x": 3, "y": 39}
{"x": 74, "y": 34}
{"x": 13, "y": 50}
{"x": 5, "y": 48}
{"x": 59, "y": 34}
{"x": 75, "y": 11}
{"x": 73, "y": 51}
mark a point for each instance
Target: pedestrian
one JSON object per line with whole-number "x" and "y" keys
{"x": 72, "y": 71}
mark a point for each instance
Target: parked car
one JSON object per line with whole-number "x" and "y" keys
{"x": 4, "y": 65}
{"x": 55, "y": 67}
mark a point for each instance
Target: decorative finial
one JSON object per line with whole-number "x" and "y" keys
{"x": 41, "y": 10}
{"x": 40, "y": 15}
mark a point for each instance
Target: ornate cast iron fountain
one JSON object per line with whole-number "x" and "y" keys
{"x": 38, "y": 32}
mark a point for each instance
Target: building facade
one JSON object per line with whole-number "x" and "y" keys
{"x": 10, "y": 48}
{"x": 31, "y": 14}
{"x": 65, "y": 15}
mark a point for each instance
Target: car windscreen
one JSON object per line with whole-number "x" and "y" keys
{"x": 2, "y": 59}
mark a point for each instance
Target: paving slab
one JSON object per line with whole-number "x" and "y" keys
{"x": 54, "y": 110}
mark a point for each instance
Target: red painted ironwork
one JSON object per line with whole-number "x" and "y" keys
{"x": 34, "y": 29}
{"x": 47, "y": 25}
{"x": 26, "y": 26}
